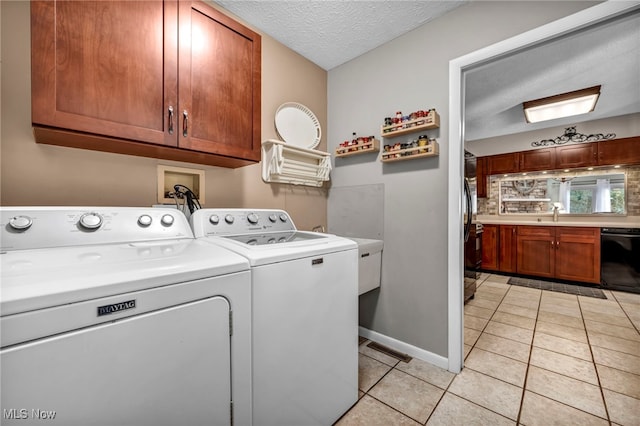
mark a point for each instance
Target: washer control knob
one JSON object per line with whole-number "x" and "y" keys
{"x": 90, "y": 221}
{"x": 252, "y": 218}
{"x": 229, "y": 219}
{"x": 144, "y": 220}
{"x": 283, "y": 217}
{"x": 273, "y": 217}
{"x": 167, "y": 220}
{"x": 20, "y": 223}
{"x": 214, "y": 219}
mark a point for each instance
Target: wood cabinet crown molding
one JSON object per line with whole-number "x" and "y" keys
{"x": 176, "y": 80}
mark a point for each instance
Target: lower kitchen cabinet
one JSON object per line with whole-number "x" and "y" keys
{"x": 567, "y": 253}
{"x": 499, "y": 248}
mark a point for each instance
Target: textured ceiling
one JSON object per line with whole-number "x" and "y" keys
{"x": 607, "y": 54}
{"x": 330, "y": 33}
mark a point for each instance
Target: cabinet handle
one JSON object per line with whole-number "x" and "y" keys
{"x": 557, "y": 245}
{"x": 185, "y": 123}
{"x": 170, "y": 120}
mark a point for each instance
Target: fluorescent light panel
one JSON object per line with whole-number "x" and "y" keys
{"x": 563, "y": 105}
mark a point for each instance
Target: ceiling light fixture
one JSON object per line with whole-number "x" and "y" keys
{"x": 563, "y": 105}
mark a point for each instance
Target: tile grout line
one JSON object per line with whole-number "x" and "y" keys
{"x": 526, "y": 373}
{"x": 625, "y": 312}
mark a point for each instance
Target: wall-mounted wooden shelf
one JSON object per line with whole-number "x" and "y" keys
{"x": 432, "y": 149}
{"x": 361, "y": 148}
{"x": 431, "y": 121}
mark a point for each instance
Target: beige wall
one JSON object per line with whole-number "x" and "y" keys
{"x": 34, "y": 174}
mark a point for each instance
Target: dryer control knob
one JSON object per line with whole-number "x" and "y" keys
{"x": 90, "y": 221}
{"x": 252, "y": 218}
{"x": 283, "y": 217}
{"x": 20, "y": 223}
{"x": 273, "y": 217}
{"x": 229, "y": 219}
{"x": 145, "y": 220}
{"x": 167, "y": 220}
{"x": 214, "y": 219}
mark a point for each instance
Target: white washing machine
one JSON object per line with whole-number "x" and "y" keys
{"x": 117, "y": 316}
{"x": 305, "y": 314}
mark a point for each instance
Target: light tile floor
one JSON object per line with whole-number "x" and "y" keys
{"x": 532, "y": 357}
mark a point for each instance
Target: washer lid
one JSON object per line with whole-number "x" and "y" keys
{"x": 297, "y": 125}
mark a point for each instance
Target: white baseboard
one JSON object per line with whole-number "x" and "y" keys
{"x": 405, "y": 348}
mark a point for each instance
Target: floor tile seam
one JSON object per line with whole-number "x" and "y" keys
{"x": 617, "y": 369}
{"x": 604, "y": 401}
{"x": 571, "y": 406}
{"x": 377, "y": 381}
{"x": 633, "y": 324}
{"x": 548, "y": 333}
{"x": 560, "y": 337}
{"x": 481, "y": 406}
{"x": 617, "y": 350}
{"x": 565, "y": 354}
{"x": 381, "y": 362}
{"x": 526, "y": 372}
{"x": 570, "y": 377}
{"x": 396, "y": 410}
{"x": 514, "y": 340}
{"x": 620, "y": 393}
{"x": 513, "y": 325}
{"x": 606, "y": 330}
{"x": 423, "y": 380}
{"x": 496, "y": 378}
{"x": 435, "y": 407}
{"x": 555, "y": 323}
{"x": 475, "y": 316}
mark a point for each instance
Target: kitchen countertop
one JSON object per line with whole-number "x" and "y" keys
{"x": 547, "y": 220}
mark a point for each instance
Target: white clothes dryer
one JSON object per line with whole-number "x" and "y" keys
{"x": 118, "y": 316}
{"x": 304, "y": 315}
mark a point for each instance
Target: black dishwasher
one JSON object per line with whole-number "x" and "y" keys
{"x": 620, "y": 259}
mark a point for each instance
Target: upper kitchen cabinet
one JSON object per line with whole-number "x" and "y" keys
{"x": 579, "y": 155}
{"x": 537, "y": 159}
{"x": 503, "y": 163}
{"x": 619, "y": 151}
{"x": 173, "y": 80}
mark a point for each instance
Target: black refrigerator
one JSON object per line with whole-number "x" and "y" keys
{"x": 472, "y": 229}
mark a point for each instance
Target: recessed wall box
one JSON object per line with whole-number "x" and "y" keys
{"x": 168, "y": 176}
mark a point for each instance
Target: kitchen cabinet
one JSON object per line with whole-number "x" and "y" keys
{"x": 499, "y": 248}
{"x": 481, "y": 177}
{"x": 537, "y": 159}
{"x": 580, "y": 155}
{"x": 503, "y": 163}
{"x": 490, "y": 247}
{"x": 174, "y": 79}
{"x": 566, "y": 253}
{"x": 624, "y": 151}
{"x": 507, "y": 248}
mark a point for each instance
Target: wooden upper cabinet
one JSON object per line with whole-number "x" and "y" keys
{"x": 111, "y": 76}
{"x": 481, "y": 177}
{"x": 219, "y": 85}
{"x": 503, "y": 163}
{"x": 101, "y": 67}
{"x": 579, "y": 155}
{"x": 537, "y": 159}
{"x": 619, "y": 151}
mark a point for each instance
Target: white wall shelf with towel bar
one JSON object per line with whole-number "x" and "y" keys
{"x": 285, "y": 163}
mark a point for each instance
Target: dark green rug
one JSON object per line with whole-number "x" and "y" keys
{"x": 579, "y": 290}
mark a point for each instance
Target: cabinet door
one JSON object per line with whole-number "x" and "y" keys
{"x": 619, "y": 151}
{"x": 537, "y": 159}
{"x": 507, "y": 248}
{"x": 580, "y": 155}
{"x": 219, "y": 83}
{"x": 536, "y": 250}
{"x": 490, "y": 247}
{"x": 105, "y": 68}
{"x": 503, "y": 163}
{"x": 481, "y": 177}
{"x": 578, "y": 254}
